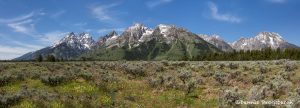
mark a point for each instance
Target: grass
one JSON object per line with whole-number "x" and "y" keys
{"x": 12, "y": 87}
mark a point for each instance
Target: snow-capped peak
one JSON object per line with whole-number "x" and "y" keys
{"x": 69, "y": 38}
{"x": 212, "y": 37}
{"x": 217, "y": 37}
{"x": 83, "y": 41}
{"x": 164, "y": 29}
{"x": 136, "y": 26}
{"x": 86, "y": 40}
{"x": 269, "y": 36}
{"x": 260, "y": 41}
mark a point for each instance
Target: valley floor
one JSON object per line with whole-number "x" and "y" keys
{"x": 150, "y": 84}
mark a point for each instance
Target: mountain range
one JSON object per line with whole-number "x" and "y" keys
{"x": 164, "y": 42}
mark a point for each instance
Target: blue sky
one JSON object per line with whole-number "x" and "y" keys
{"x": 28, "y": 25}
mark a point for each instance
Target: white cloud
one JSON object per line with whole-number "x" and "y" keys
{"x": 277, "y": 1}
{"x": 18, "y": 49}
{"x": 52, "y": 37}
{"x": 155, "y": 3}
{"x": 103, "y": 12}
{"x": 222, "y": 17}
{"x": 10, "y": 52}
{"x": 15, "y": 48}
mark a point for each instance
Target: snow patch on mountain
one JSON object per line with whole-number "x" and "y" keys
{"x": 83, "y": 41}
{"x": 260, "y": 41}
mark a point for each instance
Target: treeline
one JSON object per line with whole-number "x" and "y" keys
{"x": 265, "y": 54}
{"x": 48, "y": 58}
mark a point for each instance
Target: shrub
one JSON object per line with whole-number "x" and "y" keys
{"x": 166, "y": 81}
{"x": 295, "y": 99}
{"x": 207, "y": 74}
{"x": 287, "y": 74}
{"x": 257, "y": 93}
{"x": 5, "y": 79}
{"x": 246, "y": 68}
{"x": 234, "y": 74}
{"x": 231, "y": 96}
{"x": 86, "y": 75}
{"x": 159, "y": 68}
{"x": 169, "y": 82}
{"x": 263, "y": 69}
{"x": 233, "y": 66}
{"x": 290, "y": 66}
{"x": 108, "y": 77}
{"x": 280, "y": 62}
{"x": 258, "y": 79}
{"x": 298, "y": 90}
{"x": 53, "y": 80}
{"x": 8, "y": 100}
{"x": 135, "y": 70}
{"x": 20, "y": 76}
{"x": 220, "y": 77}
{"x": 184, "y": 75}
{"x": 280, "y": 86}
{"x": 221, "y": 66}
{"x": 165, "y": 62}
{"x": 192, "y": 84}
{"x": 156, "y": 81}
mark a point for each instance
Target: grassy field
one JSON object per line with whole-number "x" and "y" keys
{"x": 157, "y": 84}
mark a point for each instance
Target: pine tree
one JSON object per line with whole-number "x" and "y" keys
{"x": 51, "y": 58}
{"x": 39, "y": 58}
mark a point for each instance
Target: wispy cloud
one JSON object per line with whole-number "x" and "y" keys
{"x": 215, "y": 14}
{"x": 26, "y": 45}
{"x": 58, "y": 14}
{"x": 80, "y": 24}
{"x": 277, "y": 1}
{"x": 23, "y": 24}
{"x": 104, "y": 12}
{"x": 25, "y": 27}
{"x": 19, "y": 18}
{"x": 155, "y": 3}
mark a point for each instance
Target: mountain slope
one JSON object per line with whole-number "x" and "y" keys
{"x": 261, "y": 41}
{"x": 165, "y": 42}
{"x": 218, "y": 42}
{"x": 67, "y": 48}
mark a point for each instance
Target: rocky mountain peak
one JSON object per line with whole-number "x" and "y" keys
{"x": 262, "y": 40}
{"x": 269, "y": 36}
{"x": 165, "y": 29}
{"x": 82, "y": 41}
{"x": 137, "y": 27}
{"x": 217, "y": 41}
